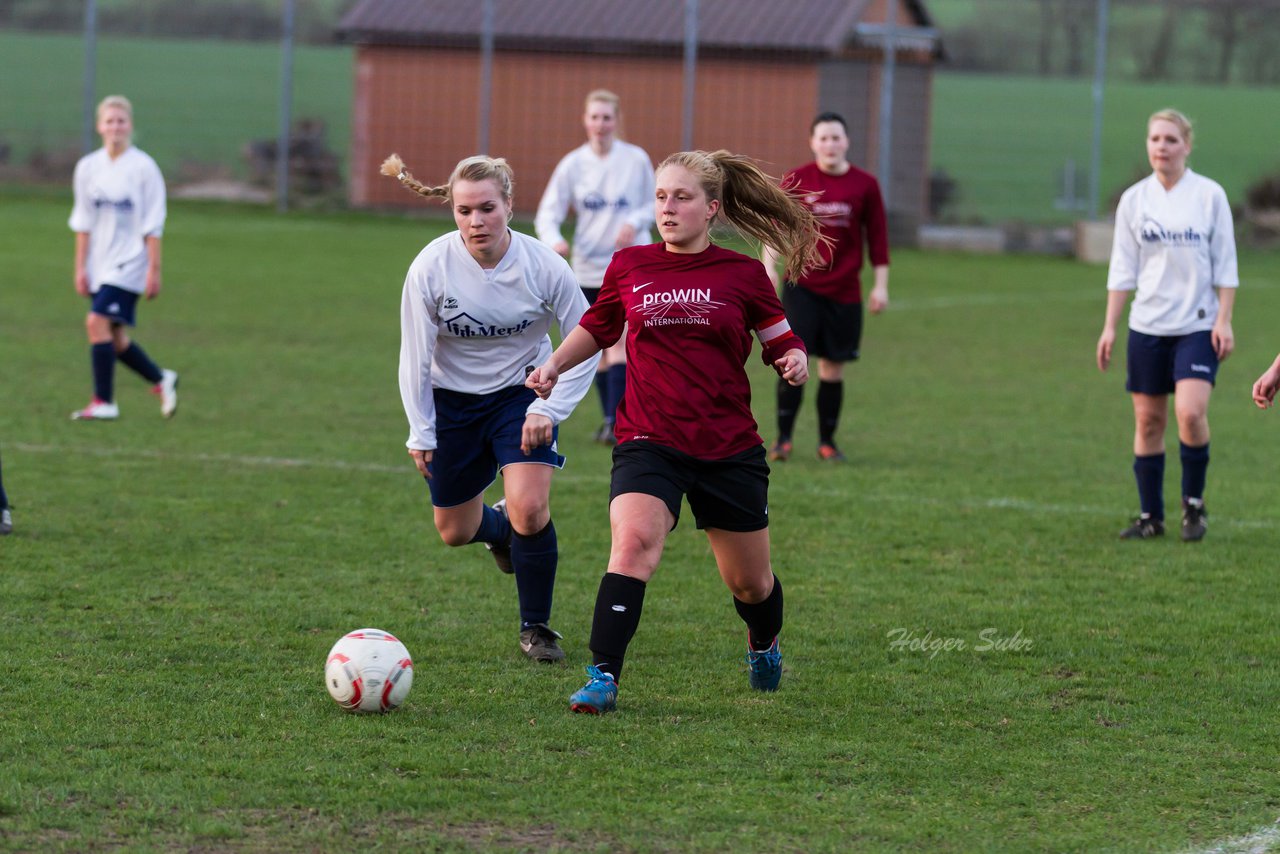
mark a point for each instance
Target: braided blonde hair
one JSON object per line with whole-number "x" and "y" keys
{"x": 753, "y": 203}
{"x": 477, "y": 168}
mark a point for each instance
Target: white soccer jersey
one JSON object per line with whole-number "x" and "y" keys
{"x": 1173, "y": 247}
{"x": 468, "y": 329}
{"x": 118, "y": 203}
{"x": 606, "y": 193}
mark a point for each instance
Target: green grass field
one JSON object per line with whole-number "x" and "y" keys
{"x": 1007, "y": 161}
{"x": 172, "y": 588}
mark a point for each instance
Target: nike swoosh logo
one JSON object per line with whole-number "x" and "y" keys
{"x": 641, "y": 287}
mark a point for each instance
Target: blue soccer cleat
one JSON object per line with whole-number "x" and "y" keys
{"x": 598, "y": 696}
{"x": 765, "y": 667}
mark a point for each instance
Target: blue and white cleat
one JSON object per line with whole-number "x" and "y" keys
{"x": 598, "y": 696}
{"x": 765, "y": 667}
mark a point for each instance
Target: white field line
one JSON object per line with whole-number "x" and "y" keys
{"x": 1037, "y": 508}
{"x": 1260, "y": 841}
{"x": 1097, "y": 294}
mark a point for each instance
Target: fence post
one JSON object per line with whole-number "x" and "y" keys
{"x": 486, "y": 76}
{"x": 1099, "y": 78}
{"x": 90, "y": 70}
{"x": 286, "y": 107}
{"x": 886, "y": 103}
{"x": 690, "y": 71}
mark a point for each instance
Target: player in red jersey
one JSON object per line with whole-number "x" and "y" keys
{"x": 685, "y": 426}
{"x": 825, "y": 305}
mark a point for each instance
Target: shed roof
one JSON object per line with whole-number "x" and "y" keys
{"x": 798, "y": 26}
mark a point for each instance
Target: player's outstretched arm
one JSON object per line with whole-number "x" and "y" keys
{"x": 578, "y": 346}
{"x": 1264, "y": 390}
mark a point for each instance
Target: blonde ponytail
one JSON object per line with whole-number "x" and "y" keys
{"x": 393, "y": 167}
{"x": 477, "y": 168}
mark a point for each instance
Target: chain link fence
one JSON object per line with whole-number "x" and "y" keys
{"x": 984, "y": 112}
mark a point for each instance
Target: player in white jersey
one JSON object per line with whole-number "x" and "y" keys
{"x": 608, "y": 183}
{"x": 118, "y": 219}
{"x": 1175, "y": 248}
{"x": 477, "y": 306}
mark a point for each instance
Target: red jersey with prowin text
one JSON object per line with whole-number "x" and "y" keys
{"x": 847, "y": 206}
{"x": 689, "y": 322}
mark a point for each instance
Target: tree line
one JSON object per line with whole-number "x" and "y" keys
{"x": 242, "y": 20}
{"x": 1207, "y": 41}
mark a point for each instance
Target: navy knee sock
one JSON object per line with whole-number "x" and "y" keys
{"x": 103, "y": 358}
{"x": 534, "y": 557}
{"x": 830, "y": 398}
{"x": 602, "y": 389}
{"x": 789, "y": 399}
{"x": 763, "y": 619}
{"x": 494, "y": 528}
{"x": 1195, "y": 467}
{"x": 619, "y": 602}
{"x": 136, "y": 358}
{"x": 617, "y": 388}
{"x": 1149, "y": 472}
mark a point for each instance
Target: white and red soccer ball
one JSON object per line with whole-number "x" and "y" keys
{"x": 368, "y": 670}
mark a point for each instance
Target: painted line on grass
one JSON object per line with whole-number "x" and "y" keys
{"x": 996, "y": 503}
{"x": 235, "y": 459}
{"x": 1039, "y": 508}
{"x": 1261, "y": 840}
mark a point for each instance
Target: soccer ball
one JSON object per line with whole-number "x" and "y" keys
{"x": 368, "y": 670}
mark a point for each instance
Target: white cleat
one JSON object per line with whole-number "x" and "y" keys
{"x": 167, "y": 388}
{"x": 99, "y": 410}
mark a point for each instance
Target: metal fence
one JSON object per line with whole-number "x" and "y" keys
{"x": 1040, "y": 142}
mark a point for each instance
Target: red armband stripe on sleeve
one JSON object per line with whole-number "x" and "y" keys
{"x": 772, "y": 329}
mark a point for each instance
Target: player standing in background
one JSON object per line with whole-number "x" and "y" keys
{"x": 608, "y": 184}
{"x": 118, "y": 219}
{"x": 825, "y": 305}
{"x": 689, "y": 309}
{"x": 478, "y": 303}
{"x": 6, "y": 518}
{"x": 1175, "y": 246}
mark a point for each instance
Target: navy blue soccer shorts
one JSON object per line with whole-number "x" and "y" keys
{"x": 476, "y": 435}
{"x": 1158, "y": 362}
{"x": 116, "y": 304}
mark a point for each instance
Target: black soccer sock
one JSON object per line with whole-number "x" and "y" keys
{"x": 136, "y": 358}
{"x": 619, "y": 602}
{"x": 789, "y": 399}
{"x": 1148, "y": 471}
{"x": 602, "y": 389}
{"x": 103, "y": 358}
{"x": 763, "y": 619}
{"x": 4, "y": 499}
{"x": 494, "y": 528}
{"x": 1195, "y": 469}
{"x": 534, "y": 557}
{"x": 617, "y": 388}
{"x": 830, "y": 399}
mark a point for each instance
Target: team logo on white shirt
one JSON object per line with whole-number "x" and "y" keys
{"x": 683, "y": 306}
{"x": 597, "y": 202}
{"x": 1154, "y": 232}
{"x": 465, "y": 326}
